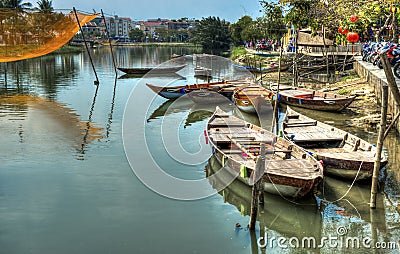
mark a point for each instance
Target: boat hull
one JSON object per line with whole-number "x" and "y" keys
{"x": 288, "y": 170}
{"x": 313, "y": 99}
{"x": 324, "y": 105}
{"x": 153, "y": 70}
{"x": 348, "y": 169}
{"x": 253, "y": 99}
{"x": 178, "y": 91}
{"x": 344, "y": 155}
{"x": 274, "y": 184}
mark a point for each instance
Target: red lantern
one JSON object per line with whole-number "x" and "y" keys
{"x": 353, "y": 18}
{"x": 340, "y": 30}
{"x": 352, "y": 37}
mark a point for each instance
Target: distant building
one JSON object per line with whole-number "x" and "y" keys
{"x": 92, "y": 29}
{"x": 150, "y": 26}
{"x": 181, "y": 24}
{"x": 119, "y": 27}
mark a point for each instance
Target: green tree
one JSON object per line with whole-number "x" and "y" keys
{"x": 137, "y": 35}
{"x": 17, "y": 4}
{"x": 213, "y": 34}
{"x": 273, "y": 21}
{"x": 162, "y": 34}
{"x": 239, "y": 29}
{"x": 45, "y": 6}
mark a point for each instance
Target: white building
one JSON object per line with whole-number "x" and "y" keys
{"x": 119, "y": 27}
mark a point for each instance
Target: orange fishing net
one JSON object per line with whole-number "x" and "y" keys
{"x": 28, "y": 33}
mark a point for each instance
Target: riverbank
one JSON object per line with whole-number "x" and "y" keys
{"x": 157, "y": 44}
{"x": 66, "y": 49}
{"x": 250, "y": 57}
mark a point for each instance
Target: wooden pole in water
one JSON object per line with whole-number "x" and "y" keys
{"x": 5, "y": 74}
{"x": 377, "y": 164}
{"x": 96, "y": 82}
{"x": 257, "y": 178}
{"x": 382, "y": 134}
{"x": 393, "y": 89}
{"x": 295, "y": 70}
{"x": 276, "y": 102}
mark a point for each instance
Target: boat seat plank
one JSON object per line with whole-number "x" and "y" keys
{"x": 298, "y": 124}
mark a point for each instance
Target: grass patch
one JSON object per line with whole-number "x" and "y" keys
{"x": 344, "y": 92}
{"x": 349, "y": 77}
{"x": 238, "y": 51}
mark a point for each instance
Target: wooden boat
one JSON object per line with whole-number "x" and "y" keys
{"x": 174, "y": 92}
{"x": 313, "y": 99}
{"x": 289, "y": 170}
{"x": 284, "y": 67}
{"x": 273, "y": 68}
{"x": 202, "y": 72}
{"x": 251, "y": 98}
{"x": 173, "y": 75}
{"x": 159, "y": 70}
{"x": 344, "y": 155}
{"x": 173, "y": 56}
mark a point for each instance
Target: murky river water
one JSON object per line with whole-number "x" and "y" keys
{"x": 66, "y": 185}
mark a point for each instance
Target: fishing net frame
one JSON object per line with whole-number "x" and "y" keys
{"x": 29, "y": 33}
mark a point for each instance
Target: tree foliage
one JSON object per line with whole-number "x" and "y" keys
{"x": 213, "y": 34}
{"x": 45, "y": 6}
{"x": 137, "y": 35}
{"x": 17, "y": 4}
{"x": 273, "y": 21}
{"x": 240, "y": 29}
{"x": 374, "y": 17}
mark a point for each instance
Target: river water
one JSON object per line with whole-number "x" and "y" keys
{"x": 67, "y": 186}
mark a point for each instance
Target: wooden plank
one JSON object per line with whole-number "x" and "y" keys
{"x": 241, "y": 147}
{"x": 295, "y": 124}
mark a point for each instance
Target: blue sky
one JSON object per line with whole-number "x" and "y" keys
{"x": 230, "y": 10}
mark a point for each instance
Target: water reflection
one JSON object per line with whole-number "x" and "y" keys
{"x": 278, "y": 217}
{"x": 49, "y": 72}
{"x": 39, "y": 122}
{"x": 39, "y": 133}
{"x": 89, "y": 129}
{"x": 171, "y": 107}
{"x": 202, "y": 112}
{"x": 110, "y": 115}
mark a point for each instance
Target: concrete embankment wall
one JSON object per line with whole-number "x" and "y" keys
{"x": 376, "y": 78}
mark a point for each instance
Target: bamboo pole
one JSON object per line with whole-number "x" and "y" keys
{"x": 382, "y": 125}
{"x": 5, "y": 74}
{"x": 256, "y": 180}
{"x": 393, "y": 88}
{"x": 391, "y": 125}
{"x": 377, "y": 164}
{"x": 391, "y": 80}
{"x": 276, "y": 104}
{"x": 325, "y": 50}
{"x": 295, "y": 70}
{"x": 96, "y": 82}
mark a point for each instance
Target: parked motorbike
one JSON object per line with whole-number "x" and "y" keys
{"x": 396, "y": 69}
{"x": 393, "y": 55}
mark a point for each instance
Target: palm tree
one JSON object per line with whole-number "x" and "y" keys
{"x": 17, "y": 4}
{"x": 45, "y": 6}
